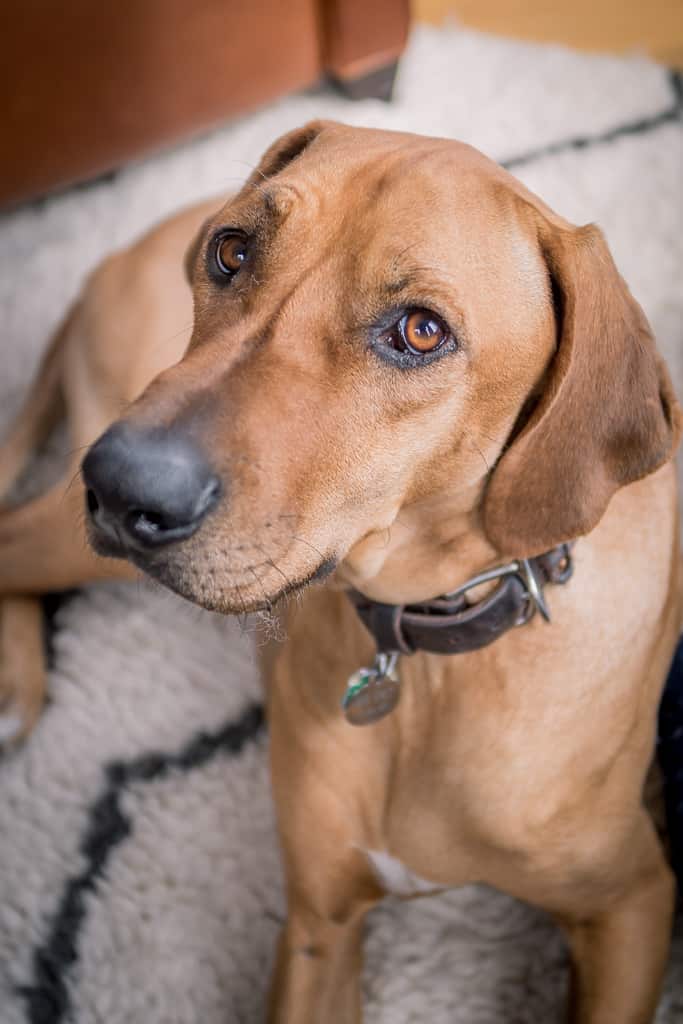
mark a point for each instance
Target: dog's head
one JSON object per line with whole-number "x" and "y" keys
{"x": 391, "y": 335}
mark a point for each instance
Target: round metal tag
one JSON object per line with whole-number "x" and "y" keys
{"x": 370, "y": 696}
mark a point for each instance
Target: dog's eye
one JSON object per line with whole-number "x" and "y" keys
{"x": 230, "y": 253}
{"x": 422, "y": 331}
{"x": 418, "y": 331}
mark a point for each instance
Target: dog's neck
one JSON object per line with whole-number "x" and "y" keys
{"x": 431, "y": 546}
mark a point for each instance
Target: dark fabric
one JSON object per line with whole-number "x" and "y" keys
{"x": 670, "y": 752}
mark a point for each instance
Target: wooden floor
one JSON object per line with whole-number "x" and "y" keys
{"x": 650, "y": 26}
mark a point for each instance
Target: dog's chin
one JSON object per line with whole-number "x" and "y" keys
{"x": 207, "y": 589}
{"x": 214, "y": 590}
{"x": 227, "y": 598}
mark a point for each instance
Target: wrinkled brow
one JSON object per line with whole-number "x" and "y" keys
{"x": 259, "y": 210}
{"x": 390, "y": 288}
{"x": 274, "y": 203}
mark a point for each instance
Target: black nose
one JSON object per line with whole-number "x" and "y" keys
{"x": 147, "y": 488}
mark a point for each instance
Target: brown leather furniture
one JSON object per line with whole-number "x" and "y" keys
{"x": 87, "y": 84}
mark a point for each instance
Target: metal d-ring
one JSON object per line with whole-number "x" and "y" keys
{"x": 534, "y": 590}
{"x": 523, "y": 570}
{"x": 511, "y": 569}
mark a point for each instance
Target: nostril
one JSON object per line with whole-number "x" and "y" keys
{"x": 91, "y": 501}
{"x": 146, "y": 523}
{"x": 155, "y": 526}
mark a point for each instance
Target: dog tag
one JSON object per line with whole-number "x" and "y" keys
{"x": 372, "y": 693}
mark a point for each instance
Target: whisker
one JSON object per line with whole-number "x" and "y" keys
{"x": 171, "y": 337}
{"x": 79, "y": 448}
{"x": 69, "y": 486}
{"x": 487, "y": 437}
{"x": 478, "y": 449}
{"x": 251, "y": 166}
{"x": 402, "y": 253}
{"x": 266, "y": 599}
{"x": 272, "y": 564}
{"x": 308, "y": 544}
{"x": 243, "y": 624}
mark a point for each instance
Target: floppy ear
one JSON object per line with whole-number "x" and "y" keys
{"x": 286, "y": 149}
{"x": 607, "y": 415}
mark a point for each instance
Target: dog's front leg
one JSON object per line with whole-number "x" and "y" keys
{"x": 317, "y": 971}
{"x": 330, "y": 883}
{"x": 22, "y": 670}
{"x": 42, "y": 548}
{"x": 620, "y": 947}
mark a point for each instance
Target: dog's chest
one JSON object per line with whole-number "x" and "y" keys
{"x": 396, "y": 878}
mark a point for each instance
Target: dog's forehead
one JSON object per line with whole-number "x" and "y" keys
{"x": 369, "y": 180}
{"x": 401, "y": 199}
{"x": 365, "y": 167}
{"x": 395, "y": 191}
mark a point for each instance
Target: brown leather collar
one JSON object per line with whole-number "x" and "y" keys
{"x": 450, "y": 625}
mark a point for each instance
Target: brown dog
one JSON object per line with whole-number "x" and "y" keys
{"x": 405, "y": 368}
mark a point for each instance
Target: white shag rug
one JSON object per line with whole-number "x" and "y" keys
{"x": 139, "y": 875}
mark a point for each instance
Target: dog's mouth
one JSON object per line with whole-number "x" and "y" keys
{"x": 204, "y": 576}
{"x": 229, "y": 594}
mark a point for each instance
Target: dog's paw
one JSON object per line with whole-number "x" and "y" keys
{"x": 13, "y": 728}
{"x": 19, "y": 712}
{"x": 22, "y": 669}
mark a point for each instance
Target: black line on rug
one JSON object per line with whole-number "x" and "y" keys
{"x": 579, "y": 142}
{"x": 47, "y": 997}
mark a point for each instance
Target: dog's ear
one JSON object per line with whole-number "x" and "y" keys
{"x": 284, "y": 150}
{"x": 606, "y": 416}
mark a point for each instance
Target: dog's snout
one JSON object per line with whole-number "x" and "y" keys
{"x": 147, "y": 488}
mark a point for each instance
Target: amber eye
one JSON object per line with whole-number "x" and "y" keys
{"x": 419, "y": 332}
{"x": 422, "y": 331}
{"x": 231, "y": 252}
